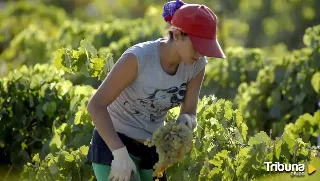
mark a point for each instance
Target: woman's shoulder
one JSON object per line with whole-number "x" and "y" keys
{"x": 144, "y": 48}
{"x": 144, "y": 51}
{"x": 146, "y": 44}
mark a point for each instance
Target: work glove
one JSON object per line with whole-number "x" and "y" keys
{"x": 122, "y": 166}
{"x": 188, "y": 119}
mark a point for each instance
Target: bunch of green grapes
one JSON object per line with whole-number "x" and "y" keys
{"x": 172, "y": 142}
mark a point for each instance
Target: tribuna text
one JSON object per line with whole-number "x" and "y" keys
{"x": 280, "y": 167}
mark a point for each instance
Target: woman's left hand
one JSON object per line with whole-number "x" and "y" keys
{"x": 189, "y": 119}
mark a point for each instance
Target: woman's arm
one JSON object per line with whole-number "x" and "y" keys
{"x": 190, "y": 103}
{"x": 188, "y": 110}
{"x": 122, "y": 74}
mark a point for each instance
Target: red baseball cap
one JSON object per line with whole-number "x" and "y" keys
{"x": 200, "y": 23}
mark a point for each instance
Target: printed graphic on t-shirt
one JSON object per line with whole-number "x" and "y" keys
{"x": 158, "y": 102}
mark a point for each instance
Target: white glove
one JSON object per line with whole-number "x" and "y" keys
{"x": 189, "y": 119}
{"x": 121, "y": 166}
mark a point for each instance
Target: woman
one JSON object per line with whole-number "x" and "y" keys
{"x": 149, "y": 79}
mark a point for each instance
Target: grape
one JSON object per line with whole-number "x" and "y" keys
{"x": 172, "y": 142}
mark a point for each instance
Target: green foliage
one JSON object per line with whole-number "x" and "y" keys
{"x": 61, "y": 165}
{"x": 268, "y": 21}
{"x": 84, "y": 60}
{"x": 111, "y": 37}
{"x": 19, "y": 15}
{"x": 223, "y": 150}
{"x": 144, "y": 32}
{"x": 43, "y": 115}
{"x": 241, "y": 23}
{"x": 33, "y": 100}
{"x": 72, "y": 134}
{"x": 283, "y": 90}
{"x": 224, "y": 76}
{"x": 306, "y": 127}
{"x": 34, "y": 45}
{"x": 315, "y": 81}
{"x": 100, "y": 34}
{"x": 29, "y": 47}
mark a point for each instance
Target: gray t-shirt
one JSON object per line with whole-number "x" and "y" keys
{"x": 141, "y": 107}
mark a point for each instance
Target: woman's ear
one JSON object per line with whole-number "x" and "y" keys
{"x": 176, "y": 34}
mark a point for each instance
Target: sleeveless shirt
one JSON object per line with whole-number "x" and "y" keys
{"x": 141, "y": 107}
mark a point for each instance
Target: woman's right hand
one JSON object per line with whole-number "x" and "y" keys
{"x": 122, "y": 166}
{"x": 122, "y": 74}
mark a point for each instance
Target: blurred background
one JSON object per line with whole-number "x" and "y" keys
{"x": 258, "y": 23}
{"x": 273, "y": 25}
{"x": 271, "y": 74}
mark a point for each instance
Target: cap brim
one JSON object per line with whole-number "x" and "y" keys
{"x": 207, "y": 47}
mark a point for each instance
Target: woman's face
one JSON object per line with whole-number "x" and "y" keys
{"x": 185, "y": 49}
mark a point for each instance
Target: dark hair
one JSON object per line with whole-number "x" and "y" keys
{"x": 171, "y": 34}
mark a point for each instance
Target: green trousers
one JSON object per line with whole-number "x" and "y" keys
{"x": 102, "y": 171}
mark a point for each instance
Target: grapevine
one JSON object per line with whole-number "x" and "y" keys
{"x": 172, "y": 142}
{"x": 53, "y": 56}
